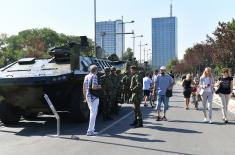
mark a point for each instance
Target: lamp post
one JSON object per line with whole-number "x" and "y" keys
{"x": 147, "y": 53}
{"x": 140, "y": 49}
{"x": 135, "y": 36}
{"x": 95, "y": 26}
{"x": 124, "y": 33}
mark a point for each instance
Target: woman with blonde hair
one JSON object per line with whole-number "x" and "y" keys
{"x": 225, "y": 88}
{"x": 207, "y": 90}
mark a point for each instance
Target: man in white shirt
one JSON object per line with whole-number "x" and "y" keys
{"x": 147, "y": 82}
{"x": 90, "y": 80}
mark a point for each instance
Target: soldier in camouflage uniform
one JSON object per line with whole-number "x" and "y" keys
{"x": 107, "y": 86}
{"x": 119, "y": 89}
{"x": 126, "y": 81}
{"x": 136, "y": 96}
{"x": 113, "y": 95}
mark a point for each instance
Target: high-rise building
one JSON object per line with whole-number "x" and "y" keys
{"x": 109, "y": 37}
{"x": 164, "y": 40}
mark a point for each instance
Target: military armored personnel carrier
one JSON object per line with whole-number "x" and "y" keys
{"x": 24, "y": 82}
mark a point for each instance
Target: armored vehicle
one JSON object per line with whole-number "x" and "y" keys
{"x": 24, "y": 83}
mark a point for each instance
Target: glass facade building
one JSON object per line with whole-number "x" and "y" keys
{"x": 164, "y": 40}
{"x": 108, "y": 39}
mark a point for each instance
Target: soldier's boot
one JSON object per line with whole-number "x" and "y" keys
{"x": 139, "y": 123}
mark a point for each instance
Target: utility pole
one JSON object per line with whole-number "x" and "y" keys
{"x": 140, "y": 49}
{"x": 95, "y": 26}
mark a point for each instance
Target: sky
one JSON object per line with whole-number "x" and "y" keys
{"x": 196, "y": 18}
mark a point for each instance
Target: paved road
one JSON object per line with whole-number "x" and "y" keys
{"x": 183, "y": 133}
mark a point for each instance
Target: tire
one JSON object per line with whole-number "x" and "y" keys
{"x": 9, "y": 115}
{"x": 79, "y": 110}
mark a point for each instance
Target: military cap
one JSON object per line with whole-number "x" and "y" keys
{"x": 106, "y": 69}
{"x": 134, "y": 67}
{"x": 113, "y": 69}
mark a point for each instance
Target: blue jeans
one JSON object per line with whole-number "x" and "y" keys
{"x": 162, "y": 99}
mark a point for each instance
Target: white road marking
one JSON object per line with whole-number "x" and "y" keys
{"x": 116, "y": 122}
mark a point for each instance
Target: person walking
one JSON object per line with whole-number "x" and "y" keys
{"x": 225, "y": 88}
{"x": 162, "y": 83}
{"x": 147, "y": 82}
{"x": 91, "y": 82}
{"x": 187, "y": 82}
{"x": 136, "y": 97}
{"x": 207, "y": 90}
{"x": 195, "y": 93}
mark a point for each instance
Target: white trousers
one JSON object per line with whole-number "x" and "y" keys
{"x": 207, "y": 103}
{"x": 93, "y": 106}
{"x": 224, "y": 99}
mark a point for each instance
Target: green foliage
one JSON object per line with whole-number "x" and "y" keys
{"x": 34, "y": 43}
{"x": 217, "y": 51}
{"x": 172, "y": 64}
{"x": 128, "y": 54}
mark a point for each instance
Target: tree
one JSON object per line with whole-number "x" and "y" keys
{"x": 128, "y": 54}
{"x": 35, "y": 43}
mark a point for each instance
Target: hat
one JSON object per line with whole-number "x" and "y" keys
{"x": 106, "y": 69}
{"x": 162, "y": 68}
{"x": 93, "y": 68}
{"x": 113, "y": 69}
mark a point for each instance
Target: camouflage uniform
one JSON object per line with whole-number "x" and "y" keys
{"x": 107, "y": 86}
{"x": 119, "y": 86}
{"x": 136, "y": 97}
{"x": 126, "y": 81}
{"x": 113, "y": 93}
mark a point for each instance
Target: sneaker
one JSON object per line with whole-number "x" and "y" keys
{"x": 225, "y": 120}
{"x": 91, "y": 133}
{"x": 210, "y": 121}
{"x": 164, "y": 118}
{"x": 205, "y": 120}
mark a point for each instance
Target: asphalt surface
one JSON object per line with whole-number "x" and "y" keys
{"x": 183, "y": 133}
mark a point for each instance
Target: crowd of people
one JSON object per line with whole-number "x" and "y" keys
{"x": 135, "y": 86}
{"x": 203, "y": 88}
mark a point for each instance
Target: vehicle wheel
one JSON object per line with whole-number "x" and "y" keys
{"x": 79, "y": 110}
{"x": 30, "y": 116}
{"x": 9, "y": 115}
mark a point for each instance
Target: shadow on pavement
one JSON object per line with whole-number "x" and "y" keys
{"x": 168, "y": 129}
{"x": 126, "y": 145}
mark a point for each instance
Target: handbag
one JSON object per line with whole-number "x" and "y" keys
{"x": 169, "y": 93}
{"x": 217, "y": 90}
{"x": 97, "y": 93}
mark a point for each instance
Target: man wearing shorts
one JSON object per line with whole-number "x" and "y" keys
{"x": 162, "y": 82}
{"x": 146, "y": 88}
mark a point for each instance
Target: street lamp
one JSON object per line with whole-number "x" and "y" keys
{"x": 147, "y": 50}
{"x": 140, "y": 49}
{"x": 124, "y": 33}
{"x": 95, "y": 26}
{"x": 135, "y": 36}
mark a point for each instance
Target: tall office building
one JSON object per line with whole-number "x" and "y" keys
{"x": 109, "y": 36}
{"x": 164, "y": 40}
